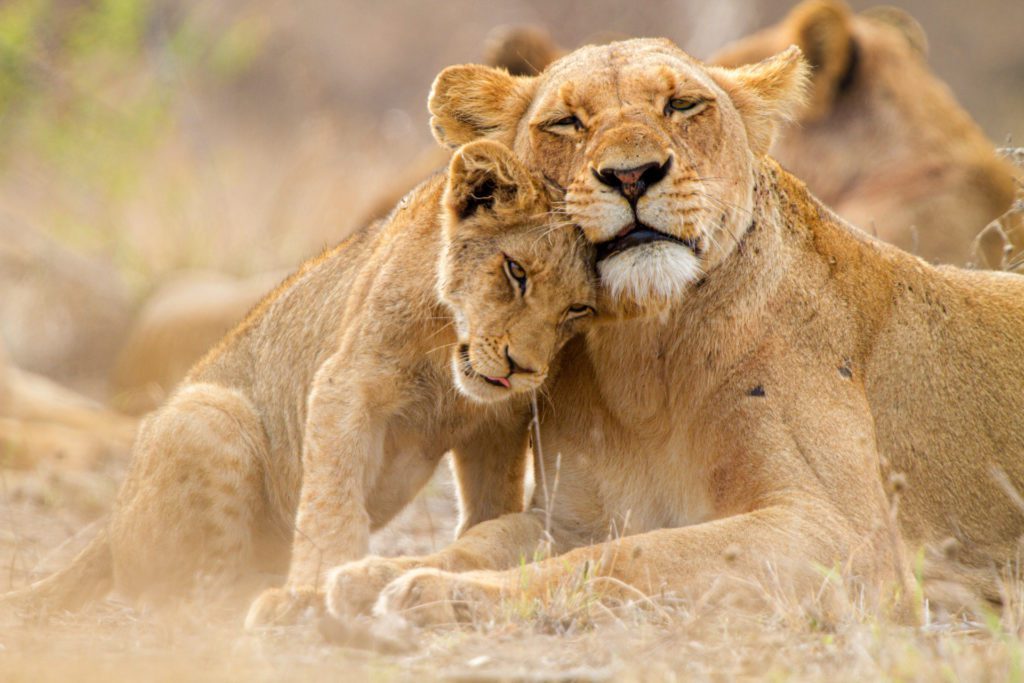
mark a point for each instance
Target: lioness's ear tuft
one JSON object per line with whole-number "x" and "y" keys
{"x": 766, "y": 94}
{"x": 484, "y": 175}
{"x": 470, "y": 102}
{"x": 821, "y": 28}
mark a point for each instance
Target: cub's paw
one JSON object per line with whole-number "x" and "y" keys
{"x": 431, "y": 597}
{"x": 285, "y": 607}
{"x": 352, "y": 588}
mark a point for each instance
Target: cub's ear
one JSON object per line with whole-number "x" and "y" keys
{"x": 904, "y": 23}
{"x": 821, "y": 28}
{"x": 485, "y": 176}
{"x": 766, "y": 94}
{"x": 470, "y": 102}
{"x": 521, "y": 50}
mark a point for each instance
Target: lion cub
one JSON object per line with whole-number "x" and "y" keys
{"x": 443, "y": 358}
{"x": 323, "y": 413}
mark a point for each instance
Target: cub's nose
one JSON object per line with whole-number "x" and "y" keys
{"x": 632, "y": 183}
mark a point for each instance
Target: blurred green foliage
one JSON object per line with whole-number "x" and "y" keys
{"x": 91, "y": 89}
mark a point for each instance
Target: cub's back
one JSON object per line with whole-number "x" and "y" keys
{"x": 273, "y": 354}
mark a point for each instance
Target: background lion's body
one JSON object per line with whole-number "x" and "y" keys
{"x": 884, "y": 142}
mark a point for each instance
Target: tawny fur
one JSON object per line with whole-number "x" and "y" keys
{"x": 330, "y": 406}
{"x": 43, "y": 422}
{"x": 882, "y": 140}
{"x": 750, "y": 425}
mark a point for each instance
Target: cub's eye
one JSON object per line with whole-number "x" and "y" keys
{"x": 579, "y": 311}
{"x": 566, "y": 122}
{"x": 516, "y": 274}
{"x": 680, "y": 104}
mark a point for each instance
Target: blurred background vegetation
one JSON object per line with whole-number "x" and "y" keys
{"x": 242, "y": 136}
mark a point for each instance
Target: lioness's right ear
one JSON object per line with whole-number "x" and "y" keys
{"x": 484, "y": 175}
{"x": 470, "y": 102}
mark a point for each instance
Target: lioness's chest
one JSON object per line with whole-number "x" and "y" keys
{"x": 623, "y": 480}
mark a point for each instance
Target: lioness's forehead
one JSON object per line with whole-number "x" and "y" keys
{"x": 621, "y": 68}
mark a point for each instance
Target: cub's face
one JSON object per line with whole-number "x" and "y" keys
{"x": 654, "y": 149}
{"x": 519, "y": 281}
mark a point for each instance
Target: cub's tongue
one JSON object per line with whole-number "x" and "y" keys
{"x": 503, "y": 381}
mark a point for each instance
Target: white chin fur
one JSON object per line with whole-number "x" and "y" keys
{"x": 650, "y": 272}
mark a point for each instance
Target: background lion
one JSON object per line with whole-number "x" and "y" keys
{"x": 882, "y": 141}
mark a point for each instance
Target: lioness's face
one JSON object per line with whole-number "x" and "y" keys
{"x": 518, "y": 280}
{"x": 655, "y": 150}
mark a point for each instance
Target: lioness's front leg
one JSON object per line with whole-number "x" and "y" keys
{"x": 343, "y": 446}
{"x": 783, "y": 540}
{"x": 490, "y": 470}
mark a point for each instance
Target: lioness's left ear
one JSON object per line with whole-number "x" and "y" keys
{"x": 484, "y": 175}
{"x": 471, "y": 102}
{"x": 767, "y": 94}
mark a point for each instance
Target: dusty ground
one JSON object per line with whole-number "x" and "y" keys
{"x": 45, "y": 518}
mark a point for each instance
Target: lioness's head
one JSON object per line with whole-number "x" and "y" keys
{"x": 654, "y": 149}
{"x": 518, "y": 280}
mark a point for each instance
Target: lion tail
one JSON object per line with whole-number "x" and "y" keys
{"x": 89, "y": 577}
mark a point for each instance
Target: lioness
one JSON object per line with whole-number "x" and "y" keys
{"x": 415, "y": 336}
{"x": 882, "y": 140}
{"x": 788, "y": 366}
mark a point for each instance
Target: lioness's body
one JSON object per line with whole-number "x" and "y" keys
{"x": 330, "y": 406}
{"x": 747, "y": 426}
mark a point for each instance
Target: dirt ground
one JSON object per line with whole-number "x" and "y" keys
{"x": 46, "y": 517}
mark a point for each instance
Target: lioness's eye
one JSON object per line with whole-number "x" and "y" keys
{"x": 680, "y": 104}
{"x": 516, "y": 274}
{"x": 579, "y": 311}
{"x": 567, "y": 121}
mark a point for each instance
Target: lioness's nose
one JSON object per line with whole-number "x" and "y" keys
{"x": 632, "y": 183}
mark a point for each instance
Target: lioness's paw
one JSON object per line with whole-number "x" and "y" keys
{"x": 352, "y": 588}
{"x": 431, "y": 597}
{"x": 285, "y": 607}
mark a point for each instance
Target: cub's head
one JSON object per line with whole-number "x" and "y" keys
{"x": 656, "y": 151}
{"x": 518, "y": 280}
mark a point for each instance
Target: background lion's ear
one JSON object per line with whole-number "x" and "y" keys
{"x": 766, "y": 94}
{"x": 521, "y": 50}
{"x": 470, "y": 102}
{"x": 904, "y": 23}
{"x": 822, "y": 30}
{"x": 485, "y": 175}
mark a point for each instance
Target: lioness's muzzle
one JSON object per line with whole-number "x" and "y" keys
{"x": 641, "y": 234}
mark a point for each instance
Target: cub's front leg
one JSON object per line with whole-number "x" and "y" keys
{"x": 343, "y": 448}
{"x": 490, "y": 469}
